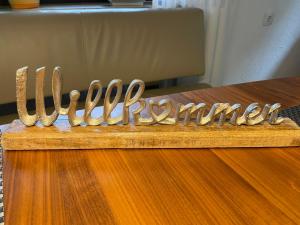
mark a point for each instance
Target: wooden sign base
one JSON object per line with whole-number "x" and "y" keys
{"x": 63, "y": 136}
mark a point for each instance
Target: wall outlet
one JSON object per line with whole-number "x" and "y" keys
{"x": 268, "y": 18}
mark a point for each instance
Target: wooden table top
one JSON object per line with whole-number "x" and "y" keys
{"x": 163, "y": 186}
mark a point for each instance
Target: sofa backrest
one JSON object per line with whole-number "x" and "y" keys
{"x": 101, "y": 44}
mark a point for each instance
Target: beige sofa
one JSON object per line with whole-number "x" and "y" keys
{"x": 100, "y": 43}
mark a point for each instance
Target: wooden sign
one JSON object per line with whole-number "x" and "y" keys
{"x": 193, "y": 125}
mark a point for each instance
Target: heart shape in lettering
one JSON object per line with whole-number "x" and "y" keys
{"x": 164, "y": 103}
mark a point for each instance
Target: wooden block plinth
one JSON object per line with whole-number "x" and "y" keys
{"x": 63, "y": 136}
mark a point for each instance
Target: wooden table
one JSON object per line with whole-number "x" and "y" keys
{"x": 187, "y": 186}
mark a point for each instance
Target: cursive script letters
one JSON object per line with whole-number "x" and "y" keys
{"x": 157, "y": 112}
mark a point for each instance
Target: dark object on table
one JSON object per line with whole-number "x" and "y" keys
{"x": 293, "y": 113}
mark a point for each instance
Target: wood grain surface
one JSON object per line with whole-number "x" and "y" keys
{"x": 162, "y": 186}
{"x": 63, "y": 136}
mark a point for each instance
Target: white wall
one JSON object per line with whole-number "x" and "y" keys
{"x": 248, "y": 50}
